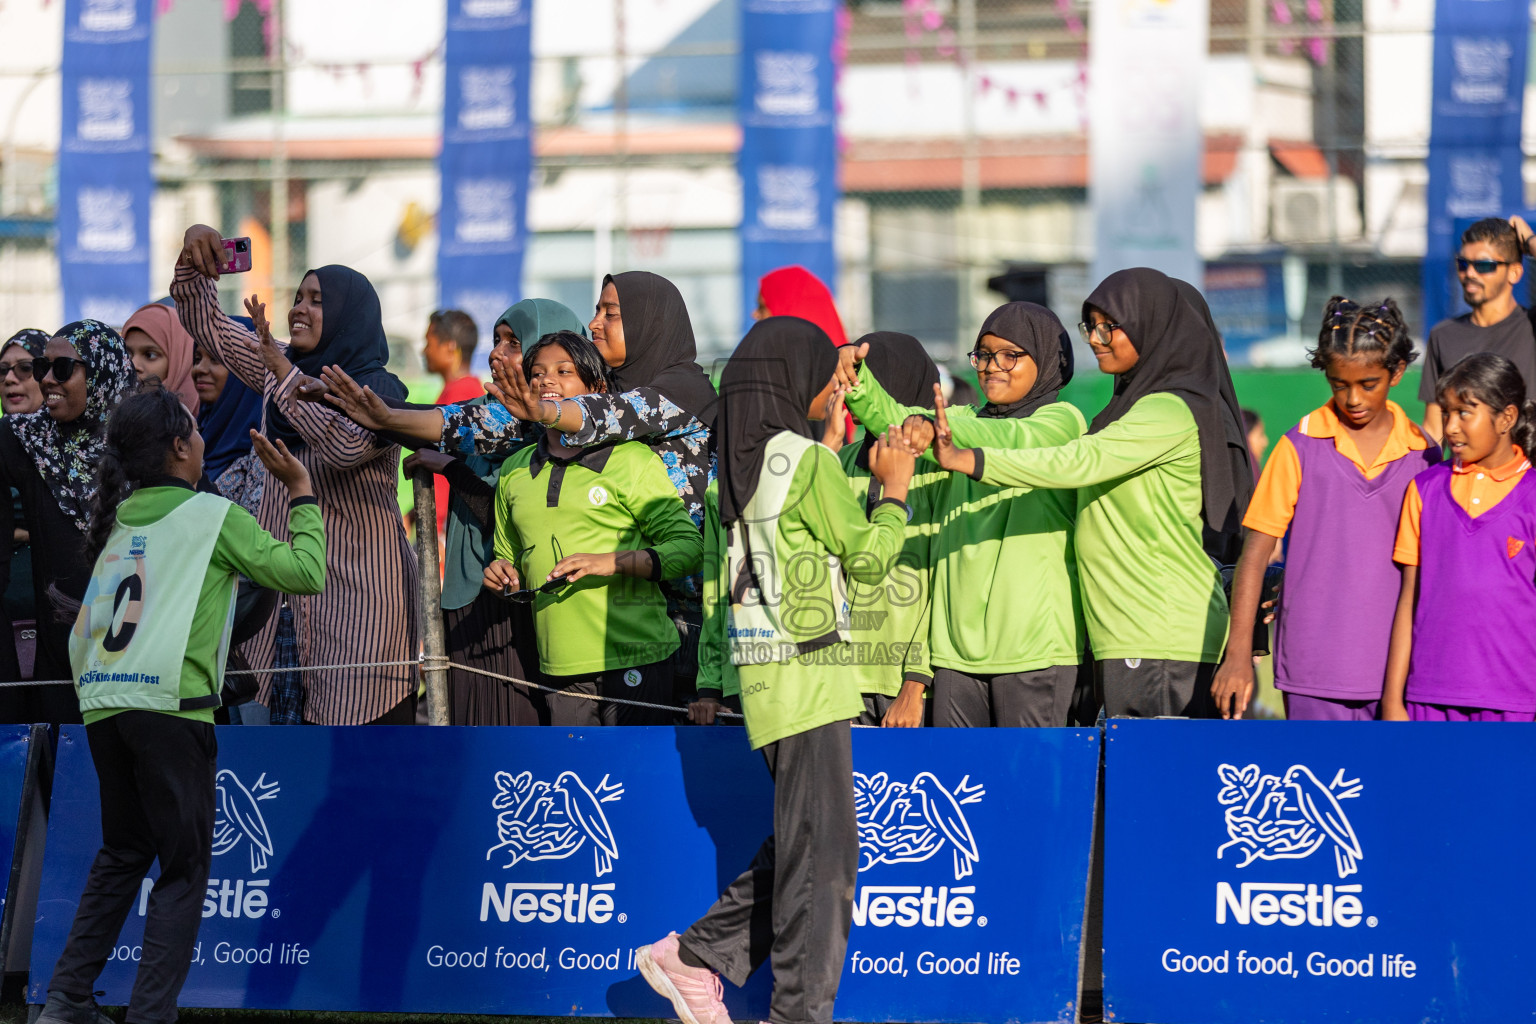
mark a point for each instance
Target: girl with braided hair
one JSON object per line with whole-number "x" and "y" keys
{"x": 1335, "y": 484}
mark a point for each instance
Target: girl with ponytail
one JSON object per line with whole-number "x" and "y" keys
{"x": 147, "y": 652}
{"x": 1334, "y": 485}
{"x": 1462, "y": 647}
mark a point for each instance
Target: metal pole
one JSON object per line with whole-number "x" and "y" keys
{"x": 970, "y": 171}
{"x": 280, "y": 257}
{"x": 429, "y": 594}
{"x": 620, "y": 227}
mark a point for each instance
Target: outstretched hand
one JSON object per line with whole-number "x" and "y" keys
{"x": 359, "y": 403}
{"x": 849, "y": 357}
{"x": 833, "y": 434}
{"x": 956, "y": 460}
{"x": 282, "y": 464}
{"x": 1522, "y": 234}
{"x": 509, "y": 387}
{"x": 271, "y": 353}
{"x": 892, "y": 462}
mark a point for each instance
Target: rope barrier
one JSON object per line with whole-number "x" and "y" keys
{"x": 424, "y": 662}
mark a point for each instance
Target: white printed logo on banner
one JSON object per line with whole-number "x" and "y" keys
{"x": 490, "y": 8}
{"x": 786, "y": 83}
{"x": 910, "y": 822}
{"x": 106, "y": 110}
{"x": 107, "y": 308}
{"x": 551, "y": 821}
{"x": 1481, "y": 69}
{"x": 1289, "y": 817}
{"x": 106, "y": 220}
{"x": 486, "y": 212}
{"x": 787, "y": 199}
{"x": 238, "y": 818}
{"x": 486, "y": 98}
{"x": 1475, "y": 188}
{"x": 107, "y": 15}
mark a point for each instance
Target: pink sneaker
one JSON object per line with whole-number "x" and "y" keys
{"x": 693, "y": 991}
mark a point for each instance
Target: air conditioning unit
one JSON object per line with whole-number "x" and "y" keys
{"x": 1299, "y": 211}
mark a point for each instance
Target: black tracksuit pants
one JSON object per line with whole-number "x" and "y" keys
{"x": 156, "y": 774}
{"x": 793, "y": 905}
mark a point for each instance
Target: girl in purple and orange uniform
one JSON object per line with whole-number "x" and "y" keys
{"x": 1335, "y": 482}
{"x": 1462, "y": 644}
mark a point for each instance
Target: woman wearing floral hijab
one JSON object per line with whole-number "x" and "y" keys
{"x": 50, "y": 457}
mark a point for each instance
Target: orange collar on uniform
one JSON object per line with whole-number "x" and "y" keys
{"x": 1404, "y": 438}
{"x": 1515, "y": 466}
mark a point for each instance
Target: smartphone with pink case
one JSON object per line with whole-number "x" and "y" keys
{"x": 238, "y": 251}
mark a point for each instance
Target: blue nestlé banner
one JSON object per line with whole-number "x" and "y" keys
{"x": 14, "y": 741}
{"x": 1474, "y": 129}
{"x": 486, "y": 158}
{"x": 105, "y": 179}
{"x": 514, "y": 871}
{"x": 1305, "y": 872}
{"x": 788, "y": 163}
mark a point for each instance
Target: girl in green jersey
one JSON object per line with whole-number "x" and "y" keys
{"x": 791, "y": 529}
{"x": 1163, "y": 477}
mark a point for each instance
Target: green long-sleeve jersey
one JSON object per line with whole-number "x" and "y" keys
{"x": 607, "y": 499}
{"x": 1149, "y": 589}
{"x": 295, "y": 567}
{"x": 783, "y": 698}
{"x": 888, "y": 620}
{"x": 1005, "y": 587}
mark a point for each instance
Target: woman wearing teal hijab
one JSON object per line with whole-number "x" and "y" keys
{"x": 480, "y": 628}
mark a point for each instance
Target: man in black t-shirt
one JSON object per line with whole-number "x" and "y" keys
{"x": 1488, "y": 266}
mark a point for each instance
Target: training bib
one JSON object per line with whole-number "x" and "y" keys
{"x": 131, "y": 634}
{"x": 779, "y": 612}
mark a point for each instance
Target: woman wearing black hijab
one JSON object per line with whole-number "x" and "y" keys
{"x": 660, "y": 397}
{"x": 1156, "y": 475}
{"x": 367, "y": 612}
{"x": 1006, "y": 629}
{"x": 894, "y": 611}
{"x": 784, "y": 506}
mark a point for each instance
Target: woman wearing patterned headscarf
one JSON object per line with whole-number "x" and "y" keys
{"x": 50, "y": 457}
{"x": 367, "y": 613}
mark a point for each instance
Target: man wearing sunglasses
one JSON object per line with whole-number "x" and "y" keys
{"x": 1488, "y": 266}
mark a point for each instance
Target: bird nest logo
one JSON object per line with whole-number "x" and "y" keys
{"x": 1287, "y": 817}
{"x": 910, "y": 822}
{"x": 551, "y": 821}
{"x": 238, "y": 819}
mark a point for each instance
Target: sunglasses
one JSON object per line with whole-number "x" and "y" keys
{"x": 553, "y": 586}
{"x": 1481, "y": 266}
{"x": 1005, "y": 360}
{"x": 60, "y": 368}
{"x": 22, "y": 368}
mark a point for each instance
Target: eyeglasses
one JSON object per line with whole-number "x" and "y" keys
{"x": 1481, "y": 266}
{"x": 1101, "y": 331}
{"x": 1005, "y": 360}
{"x": 21, "y": 367}
{"x": 553, "y": 586}
{"x": 60, "y": 368}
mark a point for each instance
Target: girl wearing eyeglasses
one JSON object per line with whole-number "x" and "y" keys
{"x": 1162, "y": 473}
{"x": 1013, "y": 658}
{"x": 50, "y": 457}
{"x": 586, "y": 535}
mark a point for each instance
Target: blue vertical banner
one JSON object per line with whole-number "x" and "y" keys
{"x": 786, "y": 103}
{"x": 105, "y": 178}
{"x": 486, "y": 159}
{"x": 1474, "y": 130}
